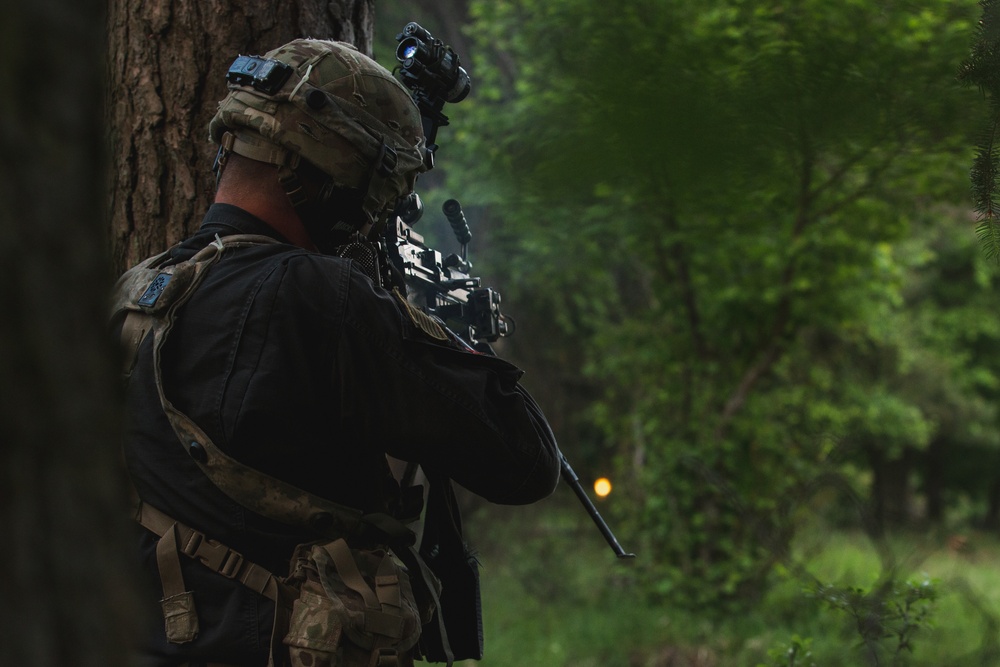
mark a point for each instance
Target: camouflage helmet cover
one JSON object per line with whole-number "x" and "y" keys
{"x": 337, "y": 110}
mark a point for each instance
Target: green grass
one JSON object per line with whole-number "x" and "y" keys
{"x": 555, "y": 595}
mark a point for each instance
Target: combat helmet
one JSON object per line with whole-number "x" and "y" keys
{"x": 325, "y": 103}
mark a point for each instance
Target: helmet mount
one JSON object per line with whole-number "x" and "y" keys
{"x": 333, "y": 121}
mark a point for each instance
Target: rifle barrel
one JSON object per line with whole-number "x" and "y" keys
{"x": 571, "y": 478}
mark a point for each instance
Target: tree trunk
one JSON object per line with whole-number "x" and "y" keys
{"x": 935, "y": 462}
{"x": 166, "y": 74}
{"x": 67, "y": 572}
{"x": 892, "y": 496}
{"x": 991, "y": 520}
{"x": 66, "y": 581}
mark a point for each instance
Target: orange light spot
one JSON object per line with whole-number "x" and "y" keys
{"x": 602, "y": 487}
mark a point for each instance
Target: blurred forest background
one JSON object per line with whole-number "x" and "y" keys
{"x": 740, "y": 248}
{"x": 738, "y": 242}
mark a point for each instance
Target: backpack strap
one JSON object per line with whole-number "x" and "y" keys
{"x": 212, "y": 554}
{"x": 179, "y": 613}
{"x": 180, "y": 616}
{"x": 158, "y": 291}
{"x": 149, "y": 289}
{"x": 150, "y": 295}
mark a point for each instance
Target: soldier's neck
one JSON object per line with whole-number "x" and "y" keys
{"x": 270, "y": 204}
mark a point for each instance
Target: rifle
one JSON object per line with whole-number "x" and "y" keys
{"x": 444, "y": 287}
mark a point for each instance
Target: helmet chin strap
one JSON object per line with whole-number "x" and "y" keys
{"x": 222, "y": 156}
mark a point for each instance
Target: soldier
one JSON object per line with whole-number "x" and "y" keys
{"x": 268, "y": 378}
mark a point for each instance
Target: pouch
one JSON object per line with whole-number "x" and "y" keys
{"x": 355, "y": 608}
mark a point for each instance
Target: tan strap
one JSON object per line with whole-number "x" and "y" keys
{"x": 389, "y": 620}
{"x": 244, "y": 240}
{"x": 213, "y": 555}
{"x": 349, "y": 573}
{"x": 169, "y": 563}
{"x": 180, "y": 617}
{"x": 254, "y": 146}
{"x": 222, "y": 560}
{"x": 387, "y": 585}
{"x": 379, "y": 620}
{"x": 134, "y": 329}
{"x": 279, "y": 501}
{"x": 432, "y": 589}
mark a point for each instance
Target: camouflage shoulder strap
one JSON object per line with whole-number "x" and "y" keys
{"x": 147, "y": 299}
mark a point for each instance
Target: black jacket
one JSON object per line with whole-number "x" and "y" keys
{"x": 295, "y": 364}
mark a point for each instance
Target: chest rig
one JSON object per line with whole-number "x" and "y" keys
{"x": 358, "y": 606}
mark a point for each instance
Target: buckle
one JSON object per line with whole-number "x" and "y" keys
{"x": 231, "y": 564}
{"x": 386, "y": 161}
{"x": 192, "y": 543}
{"x": 292, "y": 186}
{"x": 222, "y": 156}
{"x": 385, "y": 657}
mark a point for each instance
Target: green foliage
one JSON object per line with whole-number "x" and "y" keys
{"x": 713, "y": 212}
{"x": 981, "y": 69}
{"x": 734, "y": 238}
{"x": 796, "y": 654}
{"x": 554, "y": 595}
{"x": 886, "y": 617}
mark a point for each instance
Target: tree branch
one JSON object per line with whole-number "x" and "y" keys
{"x": 775, "y": 346}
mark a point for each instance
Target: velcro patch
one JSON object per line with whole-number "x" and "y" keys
{"x": 422, "y": 320}
{"x": 155, "y": 289}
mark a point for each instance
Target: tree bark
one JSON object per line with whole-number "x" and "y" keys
{"x": 66, "y": 582}
{"x": 166, "y": 74}
{"x": 68, "y": 578}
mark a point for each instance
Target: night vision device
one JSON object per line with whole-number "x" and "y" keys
{"x": 434, "y": 74}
